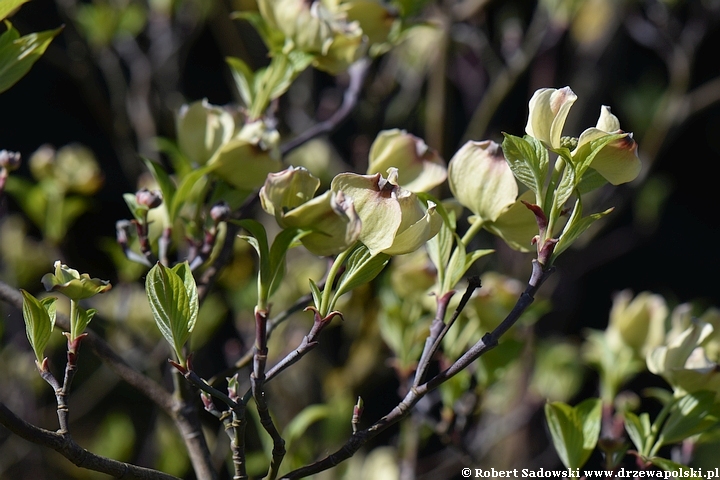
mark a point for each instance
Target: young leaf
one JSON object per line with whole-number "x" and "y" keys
{"x": 278, "y": 250}
{"x": 576, "y": 226}
{"x": 574, "y": 430}
{"x": 167, "y": 187}
{"x": 565, "y": 188}
{"x": 138, "y": 211}
{"x": 8, "y": 6}
{"x": 185, "y": 188}
{"x": 244, "y": 79}
{"x": 694, "y": 413}
{"x": 638, "y": 429}
{"x": 274, "y": 39}
{"x": 302, "y": 421}
{"x": 183, "y": 271}
{"x": 82, "y": 320}
{"x": 528, "y": 160}
{"x": 259, "y": 242}
{"x": 39, "y": 316}
{"x": 18, "y": 54}
{"x": 669, "y": 466}
{"x": 170, "y": 306}
{"x": 362, "y": 267}
{"x": 316, "y": 294}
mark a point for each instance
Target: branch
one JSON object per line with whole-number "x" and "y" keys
{"x": 212, "y": 272}
{"x": 358, "y": 72}
{"x": 433, "y": 342}
{"x": 185, "y": 416}
{"x": 506, "y": 79}
{"x": 272, "y": 324}
{"x": 488, "y": 342}
{"x": 66, "y": 446}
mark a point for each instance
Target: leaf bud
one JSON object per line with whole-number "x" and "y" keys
{"x": 148, "y": 198}
{"x": 10, "y": 161}
{"x": 220, "y": 212}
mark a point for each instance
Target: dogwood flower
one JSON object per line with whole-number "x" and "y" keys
{"x": 617, "y": 161}
{"x": 394, "y": 220}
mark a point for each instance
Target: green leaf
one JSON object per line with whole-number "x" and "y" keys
{"x": 259, "y": 241}
{"x": 39, "y": 316}
{"x": 180, "y": 163}
{"x": 183, "y": 271}
{"x": 576, "y": 226}
{"x": 282, "y": 243}
{"x": 83, "y": 319}
{"x": 574, "y": 430}
{"x": 440, "y": 246}
{"x": 638, "y": 429}
{"x": 167, "y": 187}
{"x": 565, "y": 188}
{"x": 528, "y": 160}
{"x": 670, "y": 466}
{"x": 244, "y": 79}
{"x": 274, "y": 39}
{"x": 591, "y": 180}
{"x": 18, "y": 54}
{"x": 8, "y": 6}
{"x": 362, "y": 267}
{"x": 316, "y": 294}
{"x": 692, "y": 414}
{"x": 302, "y": 421}
{"x": 30, "y": 197}
{"x": 185, "y": 189}
{"x": 138, "y": 211}
{"x": 274, "y": 80}
{"x": 170, "y": 306}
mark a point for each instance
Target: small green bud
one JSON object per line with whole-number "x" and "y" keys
{"x": 42, "y": 161}
{"x": 568, "y": 142}
{"x": 148, "y": 199}
{"x": 420, "y": 168}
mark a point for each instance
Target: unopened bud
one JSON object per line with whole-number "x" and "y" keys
{"x": 220, "y": 212}
{"x": 9, "y": 160}
{"x": 147, "y": 198}
{"x": 570, "y": 143}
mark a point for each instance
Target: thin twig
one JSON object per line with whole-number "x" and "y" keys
{"x": 273, "y": 323}
{"x": 506, "y": 79}
{"x": 488, "y": 342}
{"x": 185, "y": 416}
{"x": 257, "y": 381}
{"x": 357, "y": 73}
{"x": 428, "y": 353}
{"x": 66, "y": 446}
